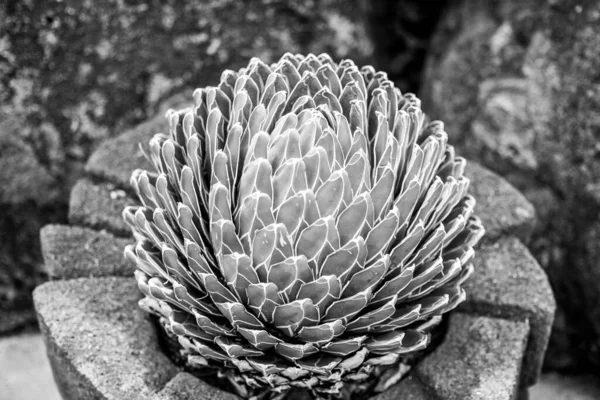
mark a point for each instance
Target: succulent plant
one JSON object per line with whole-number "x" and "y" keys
{"x": 305, "y": 227}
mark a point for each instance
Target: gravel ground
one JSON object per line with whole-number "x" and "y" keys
{"x": 26, "y": 375}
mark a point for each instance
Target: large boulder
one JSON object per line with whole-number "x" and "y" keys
{"x": 516, "y": 83}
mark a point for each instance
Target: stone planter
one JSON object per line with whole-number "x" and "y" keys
{"x": 102, "y": 346}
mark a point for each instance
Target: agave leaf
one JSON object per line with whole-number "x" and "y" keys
{"x": 451, "y": 269}
{"x": 241, "y": 106}
{"x": 329, "y": 195}
{"x": 287, "y": 67}
{"x": 256, "y": 177}
{"x": 463, "y": 253}
{"x": 407, "y": 246}
{"x": 291, "y": 212}
{"x": 291, "y": 317}
{"x": 197, "y": 258}
{"x": 367, "y": 278}
{"x": 379, "y": 238}
{"x": 166, "y": 197}
{"x": 238, "y": 316}
{"x": 358, "y": 121}
{"x": 289, "y": 179}
{"x": 219, "y": 202}
{"x": 354, "y": 361}
{"x": 289, "y": 275}
{"x": 274, "y": 110}
{"x": 321, "y": 364}
{"x": 275, "y": 83}
{"x": 434, "y": 303}
{"x": 328, "y": 78}
{"x": 322, "y": 291}
{"x": 299, "y": 89}
{"x": 295, "y": 351}
{"x": 220, "y": 172}
{"x": 403, "y": 316}
{"x": 345, "y": 347}
{"x": 262, "y": 300}
{"x": 427, "y": 206}
{"x": 238, "y": 273}
{"x": 216, "y": 98}
{"x": 271, "y": 245}
{"x": 208, "y": 351}
{"x": 350, "y": 92}
{"x": 326, "y": 98}
{"x": 318, "y": 240}
{"x": 346, "y": 308}
{"x": 472, "y": 233}
{"x": 393, "y": 285}
{"x": 382, "y": 193}
{"x": 369, "y": 321}
{"x": 236, "y": 140}
{"x": 457, "y": 297}
{"x": 317, "y": 167}
{"x": 358, "y": 169}
{"x": 188, "y": 225}
{"x": 175, "y": 267}
{"x": 284, "y": 147}
{"x": 356, "y": 218}
{"x": 235, "y": 348}
{"x": 254, "y": 214}
{"x": 422, "y": 275}
{"x": 260, "y": 339}
{"x": 166, "y": 231}
{"x": 430, "y": 247}
{"x": 224, "y": 238}
{"x": 345, "y": 261}
{"x": 328, "y": 140}
{"x": 217, "y": 291}
{"x": 213, "y": 326}
{"x": 323, "y": 333}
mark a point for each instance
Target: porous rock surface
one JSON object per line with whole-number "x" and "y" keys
{"x": 99, "y": 206}
{"x": 479, "y": 359}
{"x": 516, "y": 83}
{"x": 522, "y": 290}
{"x": 75, "y": 252}
{"x": 100, "y": 344}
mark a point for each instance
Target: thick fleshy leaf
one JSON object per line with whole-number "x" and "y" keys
{"x": 238, "y": 316}
{"x": 322, "y": 292}
{"x": 367, "y": 278}
{"x": 323, "y": 333}
{"x": 235, "y": 348}
{"x": 289, "y": 275}
{"x": 262, "y": 300}
{"x": 345, "y": 261}
{"x": 295, "y": 351}
{"x": 291, "y": 317}
{"x": 356, "y": 218}
{"x": 344, "y": 347}
{"x": 260, "y": 339}
{"x": 346, "y": 308}
{"x": 238, "y": 273}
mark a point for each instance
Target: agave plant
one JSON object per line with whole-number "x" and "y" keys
{"x": 305, "y": 227}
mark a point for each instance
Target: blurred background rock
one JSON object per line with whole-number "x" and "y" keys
{"x": 516, "y": 83}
